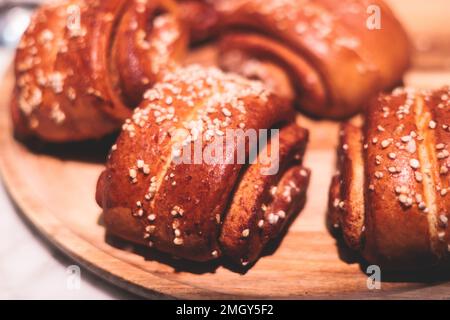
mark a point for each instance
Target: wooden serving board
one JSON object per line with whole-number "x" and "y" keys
{"x": 54, "y": 188}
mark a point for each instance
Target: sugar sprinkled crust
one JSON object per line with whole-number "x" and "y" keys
{"x": 315, "y": 43}
{"x": 185, "y": 206}
{"x": 405, "y": 209}
{"x": 301, "y": 50}
{"x": 62, "y": 96}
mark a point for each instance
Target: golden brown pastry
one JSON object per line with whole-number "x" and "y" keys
{"x": 391, "y": 196}
{"x": 82, "y": 64}
{"x": 332, "y": 60}
{"x": 203, "y": 210}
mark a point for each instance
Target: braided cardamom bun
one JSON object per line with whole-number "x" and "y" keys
{"x": 332, "y": 60}
{"x": 391, "y": 196}
{"x": 203, "y": 210}
{"x": 82, "y": 64}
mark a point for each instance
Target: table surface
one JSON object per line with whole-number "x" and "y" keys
{"x": 32, "y": 269}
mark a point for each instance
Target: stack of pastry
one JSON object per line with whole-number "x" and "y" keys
{"x": 86, "y": 68}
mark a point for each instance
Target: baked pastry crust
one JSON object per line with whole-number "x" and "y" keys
{"x": 83, "y": 65}
{"x": 389, "y": 197}
{"x": 334, "y": 60}
{"x": 205, "y": 210}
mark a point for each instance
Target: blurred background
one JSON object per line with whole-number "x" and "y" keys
{"x": 31, "y": 268}
{"x": 14, "y": 18}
